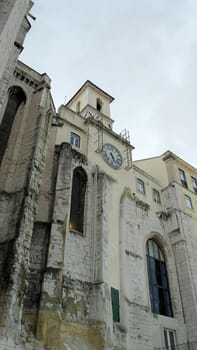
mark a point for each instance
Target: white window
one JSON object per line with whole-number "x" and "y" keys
{"x": 75, "y": 139}
{"x": 140, "y": 186}
{"x": 188, "y": 202}
{"x": 156, "y": 196}
{"x": 170, "y": 339}
{"x": 194, "y": 184}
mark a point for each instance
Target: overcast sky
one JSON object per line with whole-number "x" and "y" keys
{"x": 142, "y": 52}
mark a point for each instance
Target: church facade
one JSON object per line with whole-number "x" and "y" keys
{"x": 97, "y": 251}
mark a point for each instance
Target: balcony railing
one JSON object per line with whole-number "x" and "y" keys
{"x": 185, "y": 346}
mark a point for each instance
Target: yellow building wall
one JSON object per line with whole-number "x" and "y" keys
{"x": 119, "y": 178}
{"x": 155, "y": 167}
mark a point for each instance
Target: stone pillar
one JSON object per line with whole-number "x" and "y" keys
{"x": 184, "y": 248}
{"x": 124, "y": 273}
{"x": 12, "y": 294}
{"x": 102, "y": 288}
{"x": 102, "y": 228}
{"x": 49, "y": 320}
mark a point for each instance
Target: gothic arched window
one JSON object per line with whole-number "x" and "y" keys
{"x": 158, "y": 280}
{"x": 15, "y": 99}
{"x": 78, "y": 200}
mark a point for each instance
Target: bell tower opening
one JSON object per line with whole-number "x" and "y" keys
{"x": 98, "y": 105}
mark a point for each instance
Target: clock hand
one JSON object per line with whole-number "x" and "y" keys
{"x": 112, "y": 155}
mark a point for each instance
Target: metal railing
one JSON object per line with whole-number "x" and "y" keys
{"x": 185, "y": 346}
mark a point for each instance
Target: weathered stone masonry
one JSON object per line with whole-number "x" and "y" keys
{"x": 21, "y": 175}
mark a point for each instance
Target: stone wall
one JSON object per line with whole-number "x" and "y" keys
{"x": 137, "y": 319}
{"x": 20, "y": 179}
{"x": 182, "y": 235}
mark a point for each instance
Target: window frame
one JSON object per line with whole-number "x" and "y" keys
{"x": 140, "y": 185}
{"x": 159, "y": 289}
{"x": 189, "y": 201}
{"x": 75, "y": 137}
{"x": 183, "y": 178}
{"x": 169, "y": 338}
{"x": 155, "y": 194}
{"x": 194, "y": 183}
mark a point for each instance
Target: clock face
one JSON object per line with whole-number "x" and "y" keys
{"x": 112, "y": 155}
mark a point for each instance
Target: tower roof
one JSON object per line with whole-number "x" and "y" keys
{"x": 95, "y": 87}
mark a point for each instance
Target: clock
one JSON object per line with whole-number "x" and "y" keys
{"x": 112, "y": 156}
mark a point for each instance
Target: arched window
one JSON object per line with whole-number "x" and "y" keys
{"x": 158, "y": 280}
{"x": 15, "y": 99}
{"x": 78, "y": 200}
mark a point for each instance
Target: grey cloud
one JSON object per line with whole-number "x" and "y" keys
{"x": 142, "y": 52}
